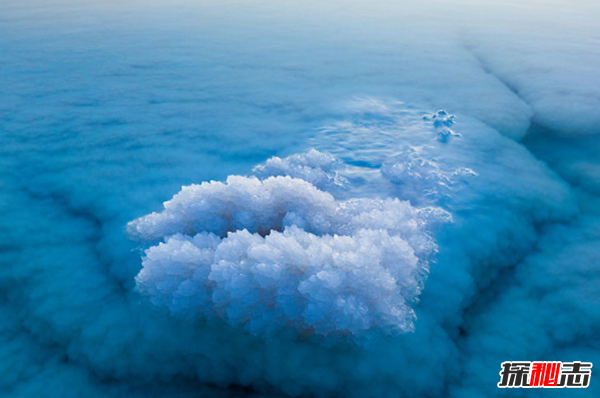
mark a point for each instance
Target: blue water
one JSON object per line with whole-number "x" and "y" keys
{"x": 109, "y": 108}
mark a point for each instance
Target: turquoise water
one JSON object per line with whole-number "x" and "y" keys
{"x": 109, "y": 108}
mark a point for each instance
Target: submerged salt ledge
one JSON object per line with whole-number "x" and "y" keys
{"x": 282, "y": 250}
{"x": 279, "y": 253}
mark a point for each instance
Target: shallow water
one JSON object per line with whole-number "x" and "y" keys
{"x": 109, "y": 108}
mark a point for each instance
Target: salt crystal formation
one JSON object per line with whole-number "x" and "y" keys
{"x": 279, "y": 253}
{"x": 442, "y": 121}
